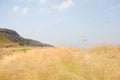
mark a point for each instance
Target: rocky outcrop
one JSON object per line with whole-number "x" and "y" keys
{"x": 15, "y": 37}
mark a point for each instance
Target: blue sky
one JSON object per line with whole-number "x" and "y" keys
{"x": 73, "y": 23}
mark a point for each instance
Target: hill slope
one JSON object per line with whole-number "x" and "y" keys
{"x": 8, "y": 36}
{"x": 5, "y": 42}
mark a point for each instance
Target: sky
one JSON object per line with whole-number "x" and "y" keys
{"x": 72, "y": 23}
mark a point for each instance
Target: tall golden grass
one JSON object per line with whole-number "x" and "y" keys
{"x": 99, "y": 63}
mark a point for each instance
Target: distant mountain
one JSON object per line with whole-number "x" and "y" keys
{"x": 12, "y": 37}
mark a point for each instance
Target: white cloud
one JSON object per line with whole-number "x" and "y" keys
{"x": 95, "y": 1}
{"x": 42, "y": 1}
{"x": 16, "y": 8}
{"x": 24, "y": 11}
{"x": 20, "y": 10}
{"x": 32, "y": 1}
{"x": 44, "y": 8}
{"x": 65, "y": 5}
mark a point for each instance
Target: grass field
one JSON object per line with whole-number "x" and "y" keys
{"x": 27, "y": 63}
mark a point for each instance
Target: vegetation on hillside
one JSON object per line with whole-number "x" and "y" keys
{"x": 5, "y": 42}
{"x": 99, "y": 63}
{"x": 3, "y": 39}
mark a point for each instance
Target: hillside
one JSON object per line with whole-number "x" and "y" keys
{"x": 11, "y": 37}
{"x": 5, "y": 42}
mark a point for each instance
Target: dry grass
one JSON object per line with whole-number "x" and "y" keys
{"x": 99, "y": 63}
